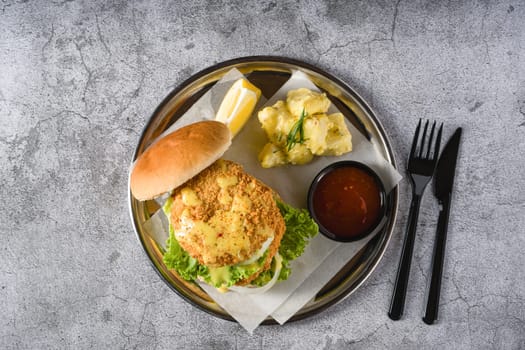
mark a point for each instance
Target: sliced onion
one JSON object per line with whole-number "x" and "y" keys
{"x": 267, "y": 286}
{"x": 258, "y": 253}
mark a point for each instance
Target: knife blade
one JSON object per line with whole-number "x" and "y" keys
{"x": 446, "y": 167}
{"x": 443, "y": 184}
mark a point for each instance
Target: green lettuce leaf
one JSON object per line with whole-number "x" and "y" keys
{"x": 300, "y": 228}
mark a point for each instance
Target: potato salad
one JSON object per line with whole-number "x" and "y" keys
{"x": 300, "y": 128}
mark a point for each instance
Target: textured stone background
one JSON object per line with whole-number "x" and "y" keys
{"x": 78, "y": 80}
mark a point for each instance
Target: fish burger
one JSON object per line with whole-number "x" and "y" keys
{"x": 226, "y": 227}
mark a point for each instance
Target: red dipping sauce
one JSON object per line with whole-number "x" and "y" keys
{"x": 347, "y": 201}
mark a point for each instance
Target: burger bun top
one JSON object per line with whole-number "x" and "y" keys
{"x": 177, "y": 157}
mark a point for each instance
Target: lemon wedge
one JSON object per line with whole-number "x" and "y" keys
{"x": 238, "y": 104}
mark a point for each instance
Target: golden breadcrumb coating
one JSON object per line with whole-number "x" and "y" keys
{"x": 223, "y": 216}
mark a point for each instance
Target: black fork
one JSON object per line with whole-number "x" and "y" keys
{"x": 421, "y": 164}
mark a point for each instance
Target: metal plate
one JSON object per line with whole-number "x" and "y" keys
{"x": 269, "y": 73}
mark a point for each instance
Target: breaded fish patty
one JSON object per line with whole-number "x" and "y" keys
{"x": 224, "y": 216}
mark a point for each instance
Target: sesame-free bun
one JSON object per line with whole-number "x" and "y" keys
{"x": 177, "y": 157}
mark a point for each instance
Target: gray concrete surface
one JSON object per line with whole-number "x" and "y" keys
{"x": 78, "y": 80}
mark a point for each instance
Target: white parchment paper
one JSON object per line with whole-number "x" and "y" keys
{"x": 323, "y": 258}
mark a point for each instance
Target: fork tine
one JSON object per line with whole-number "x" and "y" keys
{"x": 423, "y": 140}
{"x": 414, "y": 141}
{"x": 438, "y": 142}
{"x": 430, "y": 140}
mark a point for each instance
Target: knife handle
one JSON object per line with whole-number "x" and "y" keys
{"x": 438, "y": 258}
{"x": 397, "y": 303}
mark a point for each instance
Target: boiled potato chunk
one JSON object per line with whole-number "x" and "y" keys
{"x": 271, "y": 156}
{"x": 338, "y": 139}
{"x": 315, "y": 132}
{"x": 276, "y": 122}
{"x": 312, "y": 102}
{"x": 299, "y": 154}
{"x": 299, "y": 128}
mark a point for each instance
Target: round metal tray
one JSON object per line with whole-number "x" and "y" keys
{"x": 269, "y": 73}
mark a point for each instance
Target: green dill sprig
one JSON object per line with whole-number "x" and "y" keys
{"x": 296, "y": 134}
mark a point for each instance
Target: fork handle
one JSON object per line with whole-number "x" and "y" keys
{"x": 397, "y": 303}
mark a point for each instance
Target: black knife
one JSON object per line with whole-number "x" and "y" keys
{"x": 443, "y": 183}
